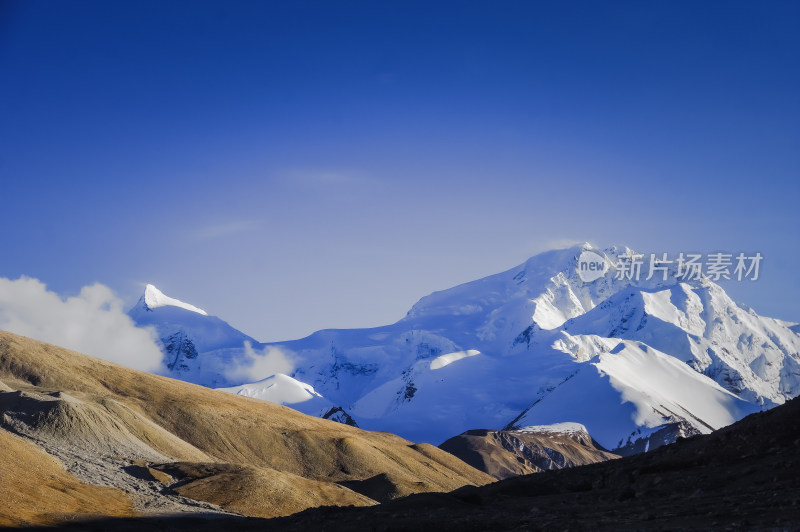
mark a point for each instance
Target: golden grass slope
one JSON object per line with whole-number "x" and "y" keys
{"x": 37, "y": 489}
{"x": 69, "y": 399}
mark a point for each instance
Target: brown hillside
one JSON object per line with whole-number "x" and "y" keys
{"x": 90, "y": 410}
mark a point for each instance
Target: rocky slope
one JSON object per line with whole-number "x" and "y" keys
{"x": 30, "y": 477}
{"x": 508, "y": 453}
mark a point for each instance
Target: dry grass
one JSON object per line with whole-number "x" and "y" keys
{"x": 37, "y": 489}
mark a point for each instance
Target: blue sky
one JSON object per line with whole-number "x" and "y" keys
{"x": 292, "y": 166}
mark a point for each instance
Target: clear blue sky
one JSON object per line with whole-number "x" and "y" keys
{"x": 292, "y": 166}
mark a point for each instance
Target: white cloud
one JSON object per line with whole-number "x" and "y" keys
{"x": 259, "y": 365}
{"x": 92, "y": 322}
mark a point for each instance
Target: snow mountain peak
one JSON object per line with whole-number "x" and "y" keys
{"x": 197, "y": 347}
{"x": 154, "y": 298}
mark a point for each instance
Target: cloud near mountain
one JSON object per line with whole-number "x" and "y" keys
{"x": 92, "y": 322}
{"x": 259, "y": 364}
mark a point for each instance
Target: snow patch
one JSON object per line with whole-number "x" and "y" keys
{"x": 278, "y": 388}
{"x": 445, "y": 360}
{"x": 555, "y": 428}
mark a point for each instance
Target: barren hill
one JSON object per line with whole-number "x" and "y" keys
{"x": 508, "y": 453}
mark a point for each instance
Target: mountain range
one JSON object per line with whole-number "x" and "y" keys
{"x": 638, "y": 362}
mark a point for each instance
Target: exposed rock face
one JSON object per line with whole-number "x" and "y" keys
{"x": 665, "y": 435}
{"x": 339, "y": 415}
{"x": 178, "y": 349}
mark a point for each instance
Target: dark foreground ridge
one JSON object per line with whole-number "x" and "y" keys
{"x": 743, "y": 477}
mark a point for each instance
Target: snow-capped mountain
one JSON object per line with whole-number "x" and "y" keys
{"x": 534, "y": 345}
{"x": 186, "y": 333}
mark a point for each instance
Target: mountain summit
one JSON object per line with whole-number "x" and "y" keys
{"x": 154, "y": 298}
{"x": 186, "y": 331}
{"x": 637, "y": 361}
